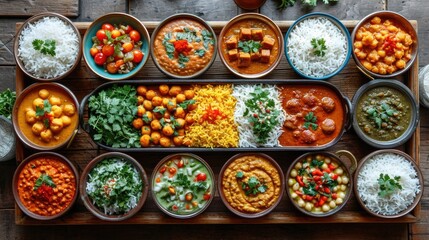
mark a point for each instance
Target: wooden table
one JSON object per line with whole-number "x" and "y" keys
{"x": 155, "y": 11}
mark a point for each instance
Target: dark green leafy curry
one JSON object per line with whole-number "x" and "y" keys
{"x": 383, "y": 113}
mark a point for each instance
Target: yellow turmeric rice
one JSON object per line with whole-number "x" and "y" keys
{"x": 214, "y": 124}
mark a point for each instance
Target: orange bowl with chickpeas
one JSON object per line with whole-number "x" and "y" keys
{"x": 45, "y": 116}
{"x": 45, "y": 185}
{"x": 385, "y": 44}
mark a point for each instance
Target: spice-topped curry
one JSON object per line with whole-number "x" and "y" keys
{"x": 383, "y": 113}
{"x": 314, "y": 115}
{"x": 184, "y": 47}
{"x": 46, "y": 186}
{"x": 250, "y": 46}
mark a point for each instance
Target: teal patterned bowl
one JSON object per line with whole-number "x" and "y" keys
{"x": 114, "y": 18}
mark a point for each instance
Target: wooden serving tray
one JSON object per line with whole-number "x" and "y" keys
{"x": 82, "y": 81}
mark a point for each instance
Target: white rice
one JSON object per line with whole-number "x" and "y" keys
{"x": 300, "y": 49}
{"x": 246, "y": 136}
{"x": 393, "y": 165}
{"x": 47, "y": 66}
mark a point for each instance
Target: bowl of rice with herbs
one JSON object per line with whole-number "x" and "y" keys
{"x": 317, "y": 46}
{"x": 389, "y": 184}
{"x": 47, "y": 47}
{"x": 113, "y": 186}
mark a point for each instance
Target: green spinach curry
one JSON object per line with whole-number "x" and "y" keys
{"x": 383, "y": 113}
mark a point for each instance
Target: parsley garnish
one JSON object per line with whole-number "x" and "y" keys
{"x": 187, "y": 34}
{"x": 182, "y": 60}
{"x": 310, "y": 121}
{"x": 200, "y": 52}
{"x": 169, "y": 47}
{"x": 316, "y": 163}
{"x": 207, "y": 38}
{"x": 185, "y": 104}
{"x": 7, "y": 99}
{"x": 380, "y": 115}
{"x": 310, "y": 189}
{"x": 249, "y": 46}
{"x": 46, "y": 47}
{"x": 44, "y": 179}
{"x": 239, "y": 174}
{"x": 253, "y": 186}
{"x": 319, "y": 47}
{"x": 388, "y": 185}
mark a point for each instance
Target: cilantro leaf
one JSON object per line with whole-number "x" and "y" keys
{"x": 200, "y": 52}
{"x": 44, "y": 179}
{"x": 46, "y": 47}
{"x": 7, "y": 100}
{"x": 239, "y": 174}
{"x": 319, "y": 47}
{"x": 388, "y": 185}
{"x": 310, "y": 121}
{"x": 249, "y": 46}
{"x": 182, "y": 60}
{"x": 169, "y": 47}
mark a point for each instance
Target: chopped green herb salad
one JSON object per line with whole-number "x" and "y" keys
{"x": 115, "y": 186}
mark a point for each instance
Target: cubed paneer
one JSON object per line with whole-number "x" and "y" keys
{"x": 257, "y": 34}
{"x": 245, "y": 34}
{"x": 243, "y": 59}
{"x": 265, "y": 55}
{"x": 255, "y": 56}
{"x": 232, "y": 42}
{"x": 268, "y": 42}
{"x": 233, "y": 54}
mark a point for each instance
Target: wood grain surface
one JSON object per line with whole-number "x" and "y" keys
{"x": 26, "y": 8}
{"x": 152, "y": 10}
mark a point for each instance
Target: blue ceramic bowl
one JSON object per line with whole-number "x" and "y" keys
{"x": 114, "y": 18}
{"x": 336, "y": 22}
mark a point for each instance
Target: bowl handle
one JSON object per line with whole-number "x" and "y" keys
{"x": 83, "y": 125}
{"x": 349, "y": 114}
{"x": 351, "y": 158}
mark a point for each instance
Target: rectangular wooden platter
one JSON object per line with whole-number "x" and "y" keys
{"x": 82, "y": 81}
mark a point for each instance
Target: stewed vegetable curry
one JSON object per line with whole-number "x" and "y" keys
{"x": 314, "y": 115}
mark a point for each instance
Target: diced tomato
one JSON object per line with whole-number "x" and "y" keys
{"x": 334, "y": 176}
{"x": 158, "y": 180}
{"x": 317, "y": 178}
{"x": 317, "y": 172}
{"x": 180, "y": 163}
{"x": 119, "y": 63}
{"x": 327, "y": 190}
{"x": 332, "y": 167}
{"x": 334, "y": 196}
{"x": 201, "y": 177}
{"x": 206, "y": 196}
{"x": 172, "y": 170}
{"x": 128, "y": 29}
{"x": 299, "y": 180}
{"x": 174, "y": 207}
{"x": 163, "y": 169}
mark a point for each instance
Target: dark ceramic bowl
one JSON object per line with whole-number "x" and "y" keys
{"x": 89, "y": 203}
{"x": 233, "y": 190}
{"x": 371, "y": 157}
{"x": 115, "y": 18}
{"x": 304, "y": 200}
{"x": 404, "y": 24}
{"x": 180, "y": 164}
{"x": 19, "y": 115}
{"x": 168, "y": 64}
{"x": 33, "y": 20}
{"x": 359, "y": 127}
{"x": 17, "y": 181}
{"x": 336, "y": 22}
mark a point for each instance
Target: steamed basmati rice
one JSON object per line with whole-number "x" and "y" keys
{"x": 45, "y": 65}
{"x": 300, "y": 49}
{"x": 247, "y": 137}
{"x": 393, "y": 165}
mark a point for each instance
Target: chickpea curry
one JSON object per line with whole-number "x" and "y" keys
{"x": 250, "y": 46}
{"x": 383, "y": 46}
{"x": 314, "y": 115}
{"x": 46, "y": 186}
{"x": 383, "y": 113}
{"x": 318, "y": 183}
{"x": 47, "y": 116}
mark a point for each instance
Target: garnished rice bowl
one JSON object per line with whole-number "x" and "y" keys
{"x": 317, "y": 46}
{"x": 47, "y": 47}
{"x": 389, "y": 183}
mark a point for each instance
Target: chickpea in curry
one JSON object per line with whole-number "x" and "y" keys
{"x": 382, "y": 46}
